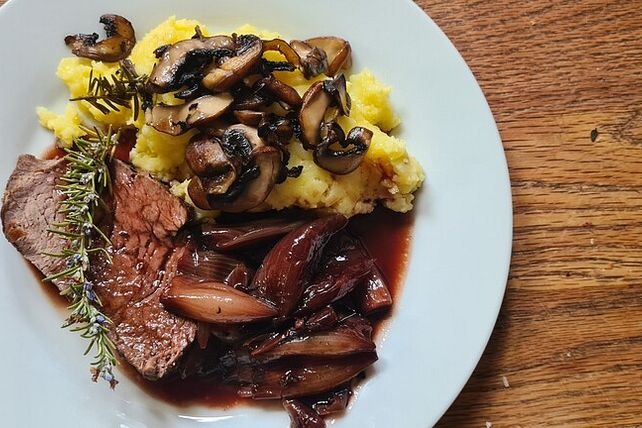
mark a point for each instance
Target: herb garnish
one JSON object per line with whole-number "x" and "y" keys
{"x": 124, "y": 88}
{"x": 85, "y": 179}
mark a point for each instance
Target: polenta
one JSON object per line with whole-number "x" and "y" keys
{"x": 387, "y": 174}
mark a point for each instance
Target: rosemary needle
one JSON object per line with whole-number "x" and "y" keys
{"x": 82, "y": 184}
{"x": 124, "y": 88}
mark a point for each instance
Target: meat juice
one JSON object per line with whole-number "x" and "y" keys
{"x": 386, "y": 235}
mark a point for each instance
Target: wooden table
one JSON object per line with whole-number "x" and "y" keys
{"x": 564, "y": 80}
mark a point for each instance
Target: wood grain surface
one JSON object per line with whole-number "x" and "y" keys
{"x": 567, "y": 348}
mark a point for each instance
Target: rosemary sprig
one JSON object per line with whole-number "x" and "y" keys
{"x": 124, "y": 88}
{"x": 86, "y": 178}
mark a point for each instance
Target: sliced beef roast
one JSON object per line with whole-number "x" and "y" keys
{"x": 142, "y": 224}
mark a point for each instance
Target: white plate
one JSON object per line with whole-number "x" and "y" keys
{"x": 462, "y": 242}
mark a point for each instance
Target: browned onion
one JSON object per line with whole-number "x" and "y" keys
{"x": 213, "y": 302}
{"x": 335, "y": 402}
{"x": 338, "y": 277}
{"x": 288, "y": 266}
{"x": 352, "y": 337}
{"x": 323, "y": 319}
{"x": 302, "y": 416}
{"x": 303, "y": 376}
{"x": 207, "y": 264}
{"x": 240, "y": 277}
{"x": 242, "y": 235}
{"x": 373, "y": 294}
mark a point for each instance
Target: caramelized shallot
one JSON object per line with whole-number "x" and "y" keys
{"x": 282, "y": 276}
{"x": 242, "y": 235}
{"x": 213, "y": 302}
{"x": 302, "y": 416}
{"x": 208, "y": 265}
{"x": 373, "y": 294}
{"x": 240, "y": 277}
{"x": 351, "y": 337}
{"x": 338, "y": 277}
{"x": 303, "y": 376}
{"x": 334, "y": 403}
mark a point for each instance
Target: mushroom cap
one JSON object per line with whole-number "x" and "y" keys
{"x": 313, "y": 107}
{"x": 342, "y": 162}
{"x": 314, "y": 61}
{"x": 337, "y": 50}
{"x": 262, "y": 165}
{"x": 119, "y": 43}
{"x": 222, "y": 77}
{"x": 174, "y": 60}
{"x": 178, "y": 119}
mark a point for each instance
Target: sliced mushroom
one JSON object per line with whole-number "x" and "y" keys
{"x": 268, "y": 160}
{"x": 276, "y": 130}
{"x": 261, "y": 165}
{"x": 282, "y": 92}
{"x": 314, "y": 61}
{"x": 344, "y": 161}
{"x": 206, "y": 158}
{"x": 249, "y": 117}
{"x": 284, "y": 47}
{"x": 233, "y": 69}
{"x": 337, "y": 50}
{"x": 338, "y": 89}
{"x": 185, "y": 60}
{"x": 315, "y": 103}
{"x": 302, "y": 416}
{"x": 118, "y": 44}
{"x": 176, "y": 120}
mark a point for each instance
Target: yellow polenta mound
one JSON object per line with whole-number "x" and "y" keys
{"x": 388, "y": 173}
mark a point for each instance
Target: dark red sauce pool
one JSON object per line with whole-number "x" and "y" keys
{"x": 387, "y": 236}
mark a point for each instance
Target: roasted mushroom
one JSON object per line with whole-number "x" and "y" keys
{"x": 283, "y": 93}
{"x": 249, "y": 117}
{"x": 326, "y": 136}
{"x": 184, "y": 61}
{"x": 206, "y": 157}
{"x": 314, "y": 61}
{"x": 118, "y": 44}
{"x": 276, "y": 130}
{"x": 261, "y": 165}
{"x": 315, "y": 103}
{"x": 176, "y": 120}
{"x": 221, "y": 77}
{"x": 348, "y": 157}
{"x": 284, "y": 47}
{"x": 337, "y": 50}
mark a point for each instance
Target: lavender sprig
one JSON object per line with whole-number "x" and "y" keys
{"x": 86, "y": 178}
